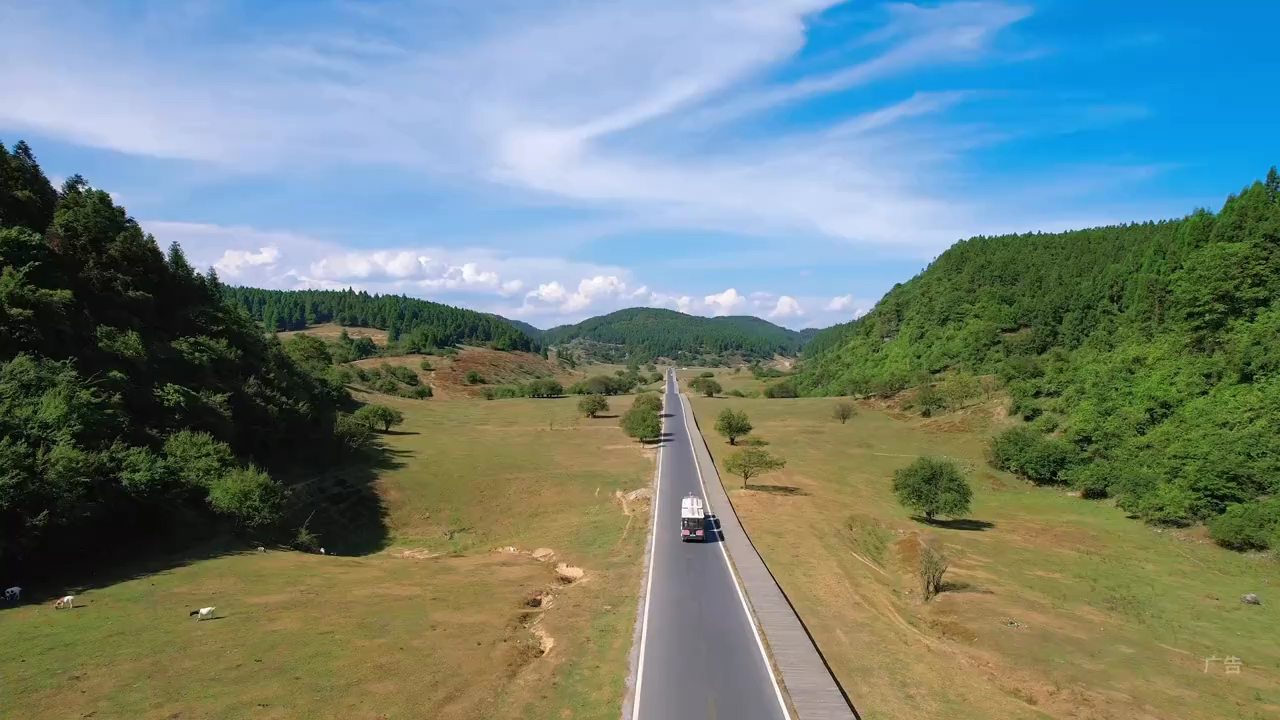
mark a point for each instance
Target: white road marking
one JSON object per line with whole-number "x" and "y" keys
{"x": 648, "y": 590}
{"x": 736, "y": 583}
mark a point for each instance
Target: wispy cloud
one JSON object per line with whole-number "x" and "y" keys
{"x": 536, "y": 101}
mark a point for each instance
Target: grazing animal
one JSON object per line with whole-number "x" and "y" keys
{"x": 12, "y": 593}
{"x": 321, "y": 551}
{"x": 261, "y": 549}
{"x": 66, "y": 601}
{"x": 204, "y": 613}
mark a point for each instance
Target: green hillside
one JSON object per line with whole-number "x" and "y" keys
{"x": 1148, "y": 356}
{"x": 523, "y": 327}
{"x": 414, "y": 324}
{"x": 649, "y": 333}
{"x": 134, "y": 403}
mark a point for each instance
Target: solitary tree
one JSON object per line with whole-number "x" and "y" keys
{"x": 649, "y": 400}
{"x": 932, "y": 486}
{"x": 751, "y": 462}
{"x": 709, "y": 387}
{"x": 592, "y": 405}
{"x": 642, "y": 424}
{"x": 733, "y": 424}
{"x": 843, "y": 411}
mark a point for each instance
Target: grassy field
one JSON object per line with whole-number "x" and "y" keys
{"x": 437, "y": 624}
{"x": 1057, "y": 607}
{"x": 729, "y": 380}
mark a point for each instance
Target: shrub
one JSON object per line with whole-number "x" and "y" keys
{"x": 927, "y": 400}
{"x": 752, "y": 462}
{"x": 1025, "y": 452}
{"x": 733, "y": 424}
{"x": 784, "y": 389}
{"x": 605, "y": 385}
{"x": 735, "y": 393}
{"x": 642, "y": 424}
{"x": 655, "y": 377}
{"x": 351, "y": 432}
{"x": 707, "y": 374}
{"x": 1167, "y": 505}
{"x": 248, "y": 495}
{"x": 843, "y": 411}
{"x": 385, "y": 385}
{"x": 401, "y": 373}
{"x": 932, "y": 486}
{"x": 544, "y": 388}
{"x": 705, "y": 385}
{"x": 417, "y": 392}
{"x": 473, "y": 377}
{"x": 933, "y": 565}
{"x": 305, "y": 540}
{"x": 196, "y": 457}
{"x": 1248, "y": 526}
{"x": 374, "y": 415}
{"x": 649, "y": 400}
{"x": 344, "y": 374}
{"x": 592, "y": 405}
{"x": 425, "y": 364}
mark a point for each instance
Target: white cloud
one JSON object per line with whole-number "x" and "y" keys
{"x": 233, "y": 261}
{"x": 529, "y": 97}
{"x": 787, "y": 307}
{"x": 725, "y": 303}
{"x": 838, "y": 303}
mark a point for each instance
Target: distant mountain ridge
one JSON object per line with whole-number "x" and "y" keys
{"x": 658, "y": 332}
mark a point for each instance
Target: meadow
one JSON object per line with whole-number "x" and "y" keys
{"x": 453, "y": 617}
{"x": 1055, "y": 607}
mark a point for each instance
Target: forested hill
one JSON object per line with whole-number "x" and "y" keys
{"x": 655, "y": 332}
{"x": 411, "y": 322}
{"x": 133, "y": 400}
{"x": 523, "y": 327}
{"x": 1149, "y": 354}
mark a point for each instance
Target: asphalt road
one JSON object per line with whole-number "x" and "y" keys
{"x": 699, "y": 657}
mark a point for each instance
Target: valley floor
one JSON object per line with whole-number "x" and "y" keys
{"x": 440, "y": 624}
{"x": 1056, "y": 607}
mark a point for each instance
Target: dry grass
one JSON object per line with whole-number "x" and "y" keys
{"x": 437, "y": 625}
{"x": 1061, "y": 608}
{"x": 331, "y": 331}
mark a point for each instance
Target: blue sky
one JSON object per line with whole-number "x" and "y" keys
{"x": 791, "y": 159}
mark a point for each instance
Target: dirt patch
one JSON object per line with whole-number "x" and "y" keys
{"x": 569, "y": 574}
{"x": 416, "y": 554}
{"x": 641, "y": 495}
{"x": 545, "y": 641}
{"x": 907, "y": 550}
{"x": 540, "y": 599}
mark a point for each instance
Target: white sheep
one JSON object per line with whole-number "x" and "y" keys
{"x": 66, "y": 601}
{"x": 261, "y": 549}
{"x": 205, "y": 613}
{"x": 12, "y": 593}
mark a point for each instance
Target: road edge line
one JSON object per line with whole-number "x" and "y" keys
{"x": 648, "y": 585}
{"x": 687, "y": 409}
